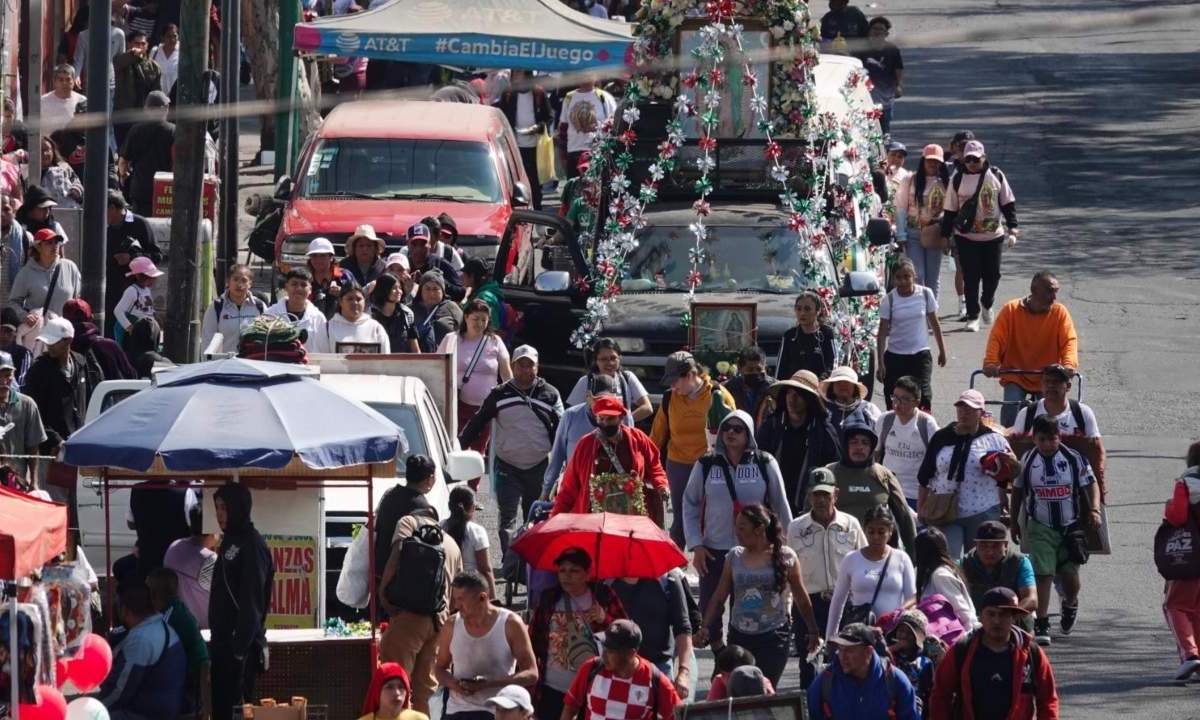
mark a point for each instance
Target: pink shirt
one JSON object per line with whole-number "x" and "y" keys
{"x": 194, "y": 565}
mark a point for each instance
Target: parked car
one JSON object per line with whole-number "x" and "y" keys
{"x": 391, "y": 163}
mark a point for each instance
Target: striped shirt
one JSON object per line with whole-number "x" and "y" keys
{"x": 1050, "y": 485}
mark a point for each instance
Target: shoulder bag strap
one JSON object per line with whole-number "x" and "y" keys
{"x": 612, "y": 457}
{"x": 534, "y": 410}
{"x": 1077, "y": 414}
{"x": 888, "y": 420}
{"x": 728, "y": 478}
{"x": 50, "y": 290}
{"x": 474, "y": 359}
{"x": 882, "y": 575}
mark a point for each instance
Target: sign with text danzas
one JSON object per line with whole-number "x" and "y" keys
{"x": 294, "y": 601}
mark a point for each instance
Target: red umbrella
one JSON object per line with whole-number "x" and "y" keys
{"x": 619, "y": 545}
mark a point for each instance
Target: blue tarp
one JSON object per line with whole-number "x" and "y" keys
{"x": 212, "y": 416}
{"x": 531, "y": 34}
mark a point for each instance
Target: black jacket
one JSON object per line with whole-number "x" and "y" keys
{"x": 242, "y": 580}
{"x": 61, "y": 400}
{"x": 397, "y": 502}
{"x": 801, "y": 351}
{"x": 107, "y": 354}
{"x": 542, "y": 112}
{"x": 823, "y": 448}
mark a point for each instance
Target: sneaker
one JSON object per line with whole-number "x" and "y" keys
{"x": 973, "y": 325}
{"x": 962, "y": 309}
{"x": 1041, "y": 631}
{"x": 1189, "y": 666}
{"x": 987, "y": 316}
{"x": 1067, "y": 619}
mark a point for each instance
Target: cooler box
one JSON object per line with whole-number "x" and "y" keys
{"x": 164, "y": 196}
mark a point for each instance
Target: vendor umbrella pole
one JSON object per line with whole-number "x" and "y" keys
{"x": 14, "y": 708}
{"x": 374, "y": 644}
{"x": 108, "y": 582}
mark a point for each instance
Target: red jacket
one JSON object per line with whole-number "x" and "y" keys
{"x": 572, "y": 491}
{"x": 951, "y": 697}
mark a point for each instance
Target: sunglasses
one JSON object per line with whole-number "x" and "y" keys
{"x": 972, "y": 160}
{"x": 735, "y": 429}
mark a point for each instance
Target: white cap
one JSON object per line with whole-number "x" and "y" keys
{"x": 512, "y": 697}
{"x": 56, "y": 330}
{"x": 525, "y": 351}
{"x": 320, "y": 246}
{"x": 397, "y": 258}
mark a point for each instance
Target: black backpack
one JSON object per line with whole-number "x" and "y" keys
{"x": 1076, "y": 414}
{"x": 1177, "y": 549}
{"x": 419, "y": 585}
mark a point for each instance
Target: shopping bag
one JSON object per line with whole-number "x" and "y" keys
{"x": 545, "y": 158}
{"x": 353, "y": 585}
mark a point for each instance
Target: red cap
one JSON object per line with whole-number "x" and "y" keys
{"x": 77, "y": 310}
{"x": 46, "y": 235}
{"x": 609, "y": 406}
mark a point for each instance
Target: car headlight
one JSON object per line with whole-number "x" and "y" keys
{"x": 630, "y": 344}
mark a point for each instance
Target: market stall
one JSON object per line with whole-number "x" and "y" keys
{"x": 270, "y": 426}
{"x": 530, "y": 34}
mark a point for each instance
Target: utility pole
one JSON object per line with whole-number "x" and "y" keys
{"x": 95, "y": 171}
{"x": 33, "y": 78}
{"x": 183, "y": 321}
{"x": 285, "y": 131}
{"x": 231, "y": 60}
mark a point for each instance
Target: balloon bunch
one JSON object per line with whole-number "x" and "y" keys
{"x": 86, "y": 671}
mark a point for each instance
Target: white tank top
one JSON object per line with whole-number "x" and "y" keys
{"x": 488, "y": 656}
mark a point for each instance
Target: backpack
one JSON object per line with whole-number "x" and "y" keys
{"x": 594, "y": 672}
{"x": 421, "y": 587}
{"x": 1177, "y": 547}
{"x": 219, "y": 305}
{"x": 888, "y": 421}
{"x": 707, "y": 460}
{"x": 695, "y": 617}
{"x": 969, "y": 209}
{"x": 1076, "y": 414}
{"x": 889, "y": 679}
{"x": 1028, "y": 674}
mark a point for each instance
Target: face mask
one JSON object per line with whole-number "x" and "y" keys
{"x": 610, "y": 431}
{"x": 754, "y": 379}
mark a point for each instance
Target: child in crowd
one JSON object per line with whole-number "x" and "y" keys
{"x": 729, "y": 659}
{"x": 137, "y": 302}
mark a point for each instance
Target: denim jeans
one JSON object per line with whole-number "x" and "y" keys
{"x": 708, "y": 587}
{"x": 677, "y": 480}
{"x": 960, "y": 534}
{"x": 927, "y": 262}
{"x": 1013, "y": 395}
{"x": 516, "y": 488}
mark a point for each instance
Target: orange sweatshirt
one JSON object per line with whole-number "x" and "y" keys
{"x": 1022, "y": 340}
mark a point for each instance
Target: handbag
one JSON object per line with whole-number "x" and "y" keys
{"x": 353, "y": 587}
{"x": 545, "y": 158}
{"x": 931, "y": 237}
{"x": 942, "y": 621}
{"x": 865, "y": 613}
{"x": 940, "y": 508}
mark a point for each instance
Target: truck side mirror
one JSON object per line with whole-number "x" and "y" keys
{"x": 859, "y": 283}
{"x": 521, "y": 195}
{"x": 879, "y": 232}
{"x": 283, "y": 188}
{"x": 552, "y": 282}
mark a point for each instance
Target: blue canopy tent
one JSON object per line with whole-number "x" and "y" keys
{"x": 263, "y": 423}
{"x": 528, "y": 34}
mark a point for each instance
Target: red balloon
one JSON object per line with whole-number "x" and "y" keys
{"x": 60, "y": 671}
{"x": 92, "y": 665}
{"x": 51, "y": 705}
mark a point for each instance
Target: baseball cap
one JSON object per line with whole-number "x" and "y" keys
{"x": 418, "y": 230}
{"x": 48, "y": 235}
{"x": 933, "y": 151}
{"x": 398, "y": 259}
{"x": 746, "y": 681}
{"x": 1060, "y": 371}
{"x": 962, "y": 136}
{"x": 856, "y": 634}
{"x": 512, "y": 697}
{"x": 971, "y": 398}
{"x": 974, "y": 148}
{"x": 991, "y": 530}
{"x": 56, "y": 330}
{"x": 896, "y": 146}
{"x": 623, "y": 635}
{"x": 158, "y": 99}
{"x": 525, "y": 351}
{"x": 679, "y": 363}
{"x": 6, "y": 361}
{"x": 601, "y": 384}
{"x": 77, "y": 310}
{"x": 1002, "y": 598}
{"x": 319, "y": 246}
{"x": 143, "y": 266}
{"x": 822, "y": 480}
{"x": 609, "y": 406}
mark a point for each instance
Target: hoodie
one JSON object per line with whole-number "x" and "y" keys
{"x": 242, "y": 580}
{"x": 862, "y": 486}
{"x": 708, "y": 510}
{"x": 108, "y": 354}
{"x": 873, "y": 697}
{"x": 29, "y": 287}
{"x": 385, "y": 672}
{"x": 682, "y": 425}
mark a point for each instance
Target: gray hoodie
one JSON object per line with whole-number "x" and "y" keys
{"x": 710, "y": 495}
{"x": 28, "y": 292}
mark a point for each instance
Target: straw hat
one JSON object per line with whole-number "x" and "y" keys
{"x": 843, "y": 374}
{"x": 802, "y": 380}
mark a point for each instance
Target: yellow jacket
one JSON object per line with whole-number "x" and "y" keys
{"x": 683, "y": 437}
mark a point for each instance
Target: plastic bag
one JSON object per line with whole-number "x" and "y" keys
{"x": 545, "y": 159}
{"x": 70, "y": 601}
{"x": 353, "y": 585}
{"x": 29, "y": 639}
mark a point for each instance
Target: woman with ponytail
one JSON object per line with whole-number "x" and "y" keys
{"x": 762, "y": 575}
{"x": 472, "y": 538}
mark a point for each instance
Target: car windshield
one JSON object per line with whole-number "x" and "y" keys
{"x": 749, "y": 258}
{"x": 385, "y": 169}
{"x": 405, "y": 418}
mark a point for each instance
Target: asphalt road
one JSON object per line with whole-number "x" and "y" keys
{"x": 1096, "y": 132}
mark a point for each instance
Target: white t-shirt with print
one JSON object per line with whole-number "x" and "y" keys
{"x": 583, "y": 113}
{"x": 908, "y": 316}
{"x": 978, "y": 492}
{"x": 1066, "y": 420}
{"x": 904, "y": 450}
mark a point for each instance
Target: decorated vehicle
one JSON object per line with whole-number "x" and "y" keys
{"x": 739, "y": 178}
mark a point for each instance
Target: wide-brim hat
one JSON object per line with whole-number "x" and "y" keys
{"x": 365, "y": 232}
{"x": 843, "y": 374}
{"x": 802, "y": 380}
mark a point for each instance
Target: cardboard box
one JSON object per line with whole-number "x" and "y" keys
{"x": 270, "y": 710}
{"x": 164, "y": 196}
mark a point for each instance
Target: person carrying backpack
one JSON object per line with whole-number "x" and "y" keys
{"x": 859, "y": 683}
{"x": 904, "y": 436}
{"x": 1177, "y": 555}
{"x": 620, "y": 683}
{"x": 998, "y": 667}
{"x": 979, "y": 204}
{"x": 415, "y": 592}
{"x": 229, "y": 313}
{"x": 736, "y": 473}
